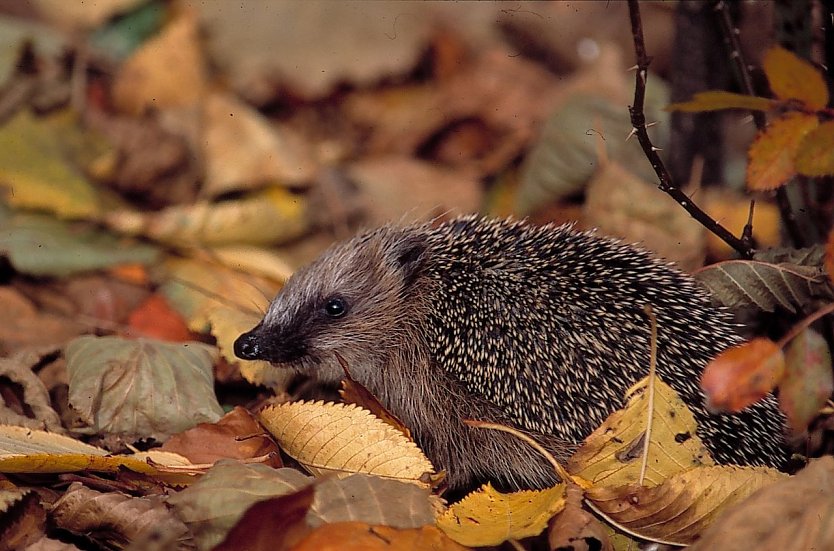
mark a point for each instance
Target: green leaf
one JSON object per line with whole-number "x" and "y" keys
{"x": 43, "y": 246}
{"x": 714, "y": 100}
{"x": 141, "y": 388}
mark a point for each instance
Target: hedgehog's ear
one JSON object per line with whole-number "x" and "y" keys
{"x": 409, "y": 255}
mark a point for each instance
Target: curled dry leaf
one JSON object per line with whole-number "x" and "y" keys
{"x": 613, "y": 454}
{"x": 794, "y": 514}
{"x": 329, "y": 437}
{"x": 114, "y": 518}
{"x": 352, "y": 392}
{"x": 743, "y": 375}
{"x": 772, "y": 155}
{"x": 680, "y": 508}
{"x": 792, "y": 77}
{"x": 808, "y": 381}
{"x": 18, "y": 370}
{"x": 22, "y": 519}
{"x": 141, "y": 388}
{"x": 575, "y": 528}
{"x": 488, "y": 517}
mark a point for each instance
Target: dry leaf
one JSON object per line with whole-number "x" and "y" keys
{"x": 792, "y": 77}
{"x": 808, "y": 381}
{"x": 328, "y": 437}
{"x": 771, "y": 156}
{"x": 25, "y": 327}
{"x": 244, "y": 151}
{"x": 829, "y": 256}
{"x": 17, "y": 369}
{"x": 714, "y": 100}
{"x": 488, "y": 517}
{"x": 141, "y": 388}
{"x": 680, "y": 508}
{"x": 113, "y": 518}
{"x": 155, "y": 318}
{"x": 238, "y": 435}
{"x": 575, "y": 528}
{"x": 816, "y": 152}
{"x": 22, "y": 519}
{"x": 612, "y": 455}
{"x": 794, "y": 514}
{"x": 353, "y": 392}
{"x": 358, "y": 536}
{"x": 743, "y": 375}
{"x": 166, "y": 71}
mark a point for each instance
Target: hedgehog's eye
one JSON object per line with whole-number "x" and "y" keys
{"x": 335, "y": 307}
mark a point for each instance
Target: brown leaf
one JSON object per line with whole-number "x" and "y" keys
{"x": 236, "y": 436}
{"x": 34, "y": 401}
{"x": 771, "y": 156}
{"x": 714, "y": 100}
{"x": 274, "y": 524}
{"x": 792, "y": 77}
{"x": 795, "y": 514}
{"x": 575, "y": 528}
{"x": 358, "y": 536}
{"x": 808, "y": 380}
{"x": 353, "y": 392}
{"x": 22, "y": 519}
{"x": 816, "y": 152}
{"x": 24, "y": 326}
{"x": 114, "y": 518}
{"x": 742, "y": 375}
{"x": 829, "y": 256}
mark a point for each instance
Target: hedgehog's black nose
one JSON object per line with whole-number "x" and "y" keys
{"x": 247, "y": 347}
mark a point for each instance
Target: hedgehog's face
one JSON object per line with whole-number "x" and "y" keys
{"x": 346, "y": 302}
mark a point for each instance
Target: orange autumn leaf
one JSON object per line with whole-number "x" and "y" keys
{"x": 137, "y": 274}
{"x": 714, "y": 100}
{"x": 155, "y": 318}
{"x": 771, "y": 156}
{"x": 808, "y": 381}
{"x": 816, "y": 153}
{"x": 792, "y": 77}
{"x": 742, "y": 375}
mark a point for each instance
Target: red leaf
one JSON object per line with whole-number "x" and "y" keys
{"x": 156, "y": 319}
{"x": 742, "y": 375}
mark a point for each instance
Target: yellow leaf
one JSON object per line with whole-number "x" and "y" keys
{"x": 42, "y": 164}
{"x": 678, "y": 510}
{"x": 330, "y": 437}
{"x": 714, "y": 100}
{"x": 792, "y": 77}
{"x": 488, "y": 517}
{"x": 816, "y": 152}
{"x": 612, "y": 454}
{"x": 771, "y": 156}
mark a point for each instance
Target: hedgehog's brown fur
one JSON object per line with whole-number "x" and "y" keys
{"x": 542, "y": 328}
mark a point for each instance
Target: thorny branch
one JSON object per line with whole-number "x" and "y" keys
{"x": 742, "y": 71}
{"x": 638, "y": 122}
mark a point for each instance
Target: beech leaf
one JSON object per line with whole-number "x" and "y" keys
{"x": 714, "y": 100}
{"x": 141, "y": 388}
{"x": 792, "y": 77}
{"x": 771, "y": 155}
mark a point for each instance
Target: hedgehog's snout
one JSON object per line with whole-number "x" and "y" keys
{"x": 248, "y": 346}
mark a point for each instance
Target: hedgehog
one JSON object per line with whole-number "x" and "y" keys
{"x": 542, "y": 328}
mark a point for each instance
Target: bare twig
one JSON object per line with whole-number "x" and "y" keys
{"x": 638, "y": 122}
{"x": 742, "y": 72}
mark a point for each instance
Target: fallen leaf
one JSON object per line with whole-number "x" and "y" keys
{"x": 829, "y": 256}
{"x": 771, "y": 157}
{"x": 155, "y": 318}
{"x": 815, "y": 156}
{"x": 17, "y": 370}
{"x": 792, "y": 77}
{"x": 684, "y": 505}
{"x": 339, "y": 438}
{"x": 22, "y": 519}
{"x": 488, "y": 517}
{"x": 167, "y": 71}
{"x": 237, "y": 435}
{"x": 613, "y": 454}
{"x": 141, "y": 388}
{"x": 25, "y": 327}
{"x": 743, "y": 375}
{"x": 575, "y": 528}
{"x": 808, "y": 381}
{"x": 352, "y": 392}
{"x": 358, "y": 536}
{"x": 82, "y": 15}
{"x": 111, "y": 519}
